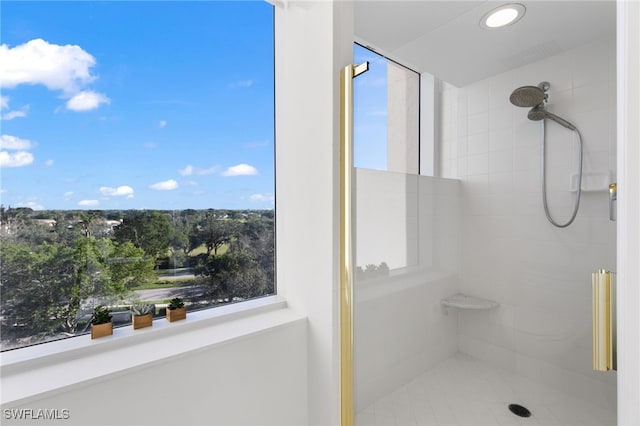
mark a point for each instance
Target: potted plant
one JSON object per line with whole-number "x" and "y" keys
{"x": 141, "y": 315}
{"x": 176, "y": 310}
{"x": 101, "y": 324}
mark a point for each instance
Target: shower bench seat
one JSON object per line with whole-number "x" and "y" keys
{"x": 464, "y": 301}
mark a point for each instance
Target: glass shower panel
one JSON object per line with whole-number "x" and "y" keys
{"x": 408, "y": 223}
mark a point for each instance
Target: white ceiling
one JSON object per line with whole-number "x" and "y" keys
{"x": 444, "y": 38}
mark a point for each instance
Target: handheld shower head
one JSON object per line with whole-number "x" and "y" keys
{"x": 539, "y": 112}
{"x": 536, "y": 97}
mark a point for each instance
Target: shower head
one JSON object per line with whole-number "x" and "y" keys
{"x": 539, "y": 112}
{"x": 535, "y": 96}
{"x": 528, "y": 96}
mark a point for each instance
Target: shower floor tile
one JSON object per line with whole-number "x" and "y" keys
{"x": 464, "y": 391}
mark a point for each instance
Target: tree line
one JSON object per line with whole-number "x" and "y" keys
{"x": 57, "y": 264}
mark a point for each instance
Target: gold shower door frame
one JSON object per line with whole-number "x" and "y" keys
{"x": 347, "y": 74}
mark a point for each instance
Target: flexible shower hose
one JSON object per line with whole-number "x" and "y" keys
{"x": 544, "y": 180}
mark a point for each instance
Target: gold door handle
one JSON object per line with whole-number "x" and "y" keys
{"x": 604, "y": 339}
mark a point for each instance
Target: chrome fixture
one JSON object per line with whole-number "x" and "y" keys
{"x": 539, "y": 112}
{"x": 613, "y": 201}
{"x": 529, "y": 96}
{"x": 536, "y": 97}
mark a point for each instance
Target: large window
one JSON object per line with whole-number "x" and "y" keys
{"x": 386, "y": 153}
{"x": 137, "y": 155}
{"x": 386, "y": 115}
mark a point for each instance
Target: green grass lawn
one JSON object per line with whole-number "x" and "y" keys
{"x": 203, "y": 249}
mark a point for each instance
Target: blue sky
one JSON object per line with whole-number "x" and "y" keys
{"x": 370, "y": 111}
{"x": 118, "y": 105}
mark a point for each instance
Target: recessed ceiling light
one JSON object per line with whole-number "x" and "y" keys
{"x": 506, "y": 14}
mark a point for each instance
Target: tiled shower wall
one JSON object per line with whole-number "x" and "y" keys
{"x": 540, "y": 274}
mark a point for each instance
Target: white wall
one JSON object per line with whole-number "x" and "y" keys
{"x": 314, "y": 41}
{"x": 628, "y": 69}
{"x": 151, "y": 378}
{"x": 400, "y": 328}
{"x": 541, "y": 275}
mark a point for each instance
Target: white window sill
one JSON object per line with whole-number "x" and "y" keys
{"x": 33, "y": 372}
{"x": 397, "y": 281}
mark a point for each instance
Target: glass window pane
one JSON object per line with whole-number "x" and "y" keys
{"x": 137, "y": 154}
{"x": 386, "y": 115}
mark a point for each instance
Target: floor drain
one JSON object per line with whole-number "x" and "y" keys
{"x": 519, "y": 410}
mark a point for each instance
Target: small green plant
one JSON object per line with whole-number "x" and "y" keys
{"x": 101, "y": 315}
{"x": 175, "y": 303}
{"x": 141, "y": 309}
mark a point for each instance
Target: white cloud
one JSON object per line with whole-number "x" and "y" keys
{"x": 261, "y": 198}
{"x": 190, "y": 170}
{"x": 240, "y": 170}
{"x": 62, "y": 68}
{"x": 10, "y": 115}
{"x": 65, "y": 68}
{"x": 87, "y": 100}
{"x": 15, "y": 114}
{"x": 187, "y": 171}
{"x": 21, "y": 157}
{"x": 121, "y": 191}
{"x": 241, "y": 83}
{"x": 48, "y": 163}
{"x": 150, "y": 145}
{"x": 162, "y": 123}
{"x": 166, "y": 185}
{"x": 14, "y": 142}
{"x": 17, "y": 159}
{"x": 86, "y": 203}
{"x": 68, "y": 194}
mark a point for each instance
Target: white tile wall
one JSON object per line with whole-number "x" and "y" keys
{"x": 510, "y": 253}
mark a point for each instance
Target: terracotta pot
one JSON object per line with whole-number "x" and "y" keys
{"x": 142, "y": 321}
{"x": 101, "y": 330}
{"x": 176, "y": 314}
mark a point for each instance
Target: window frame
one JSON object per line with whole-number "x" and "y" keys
{"x": 420, "y": 94}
